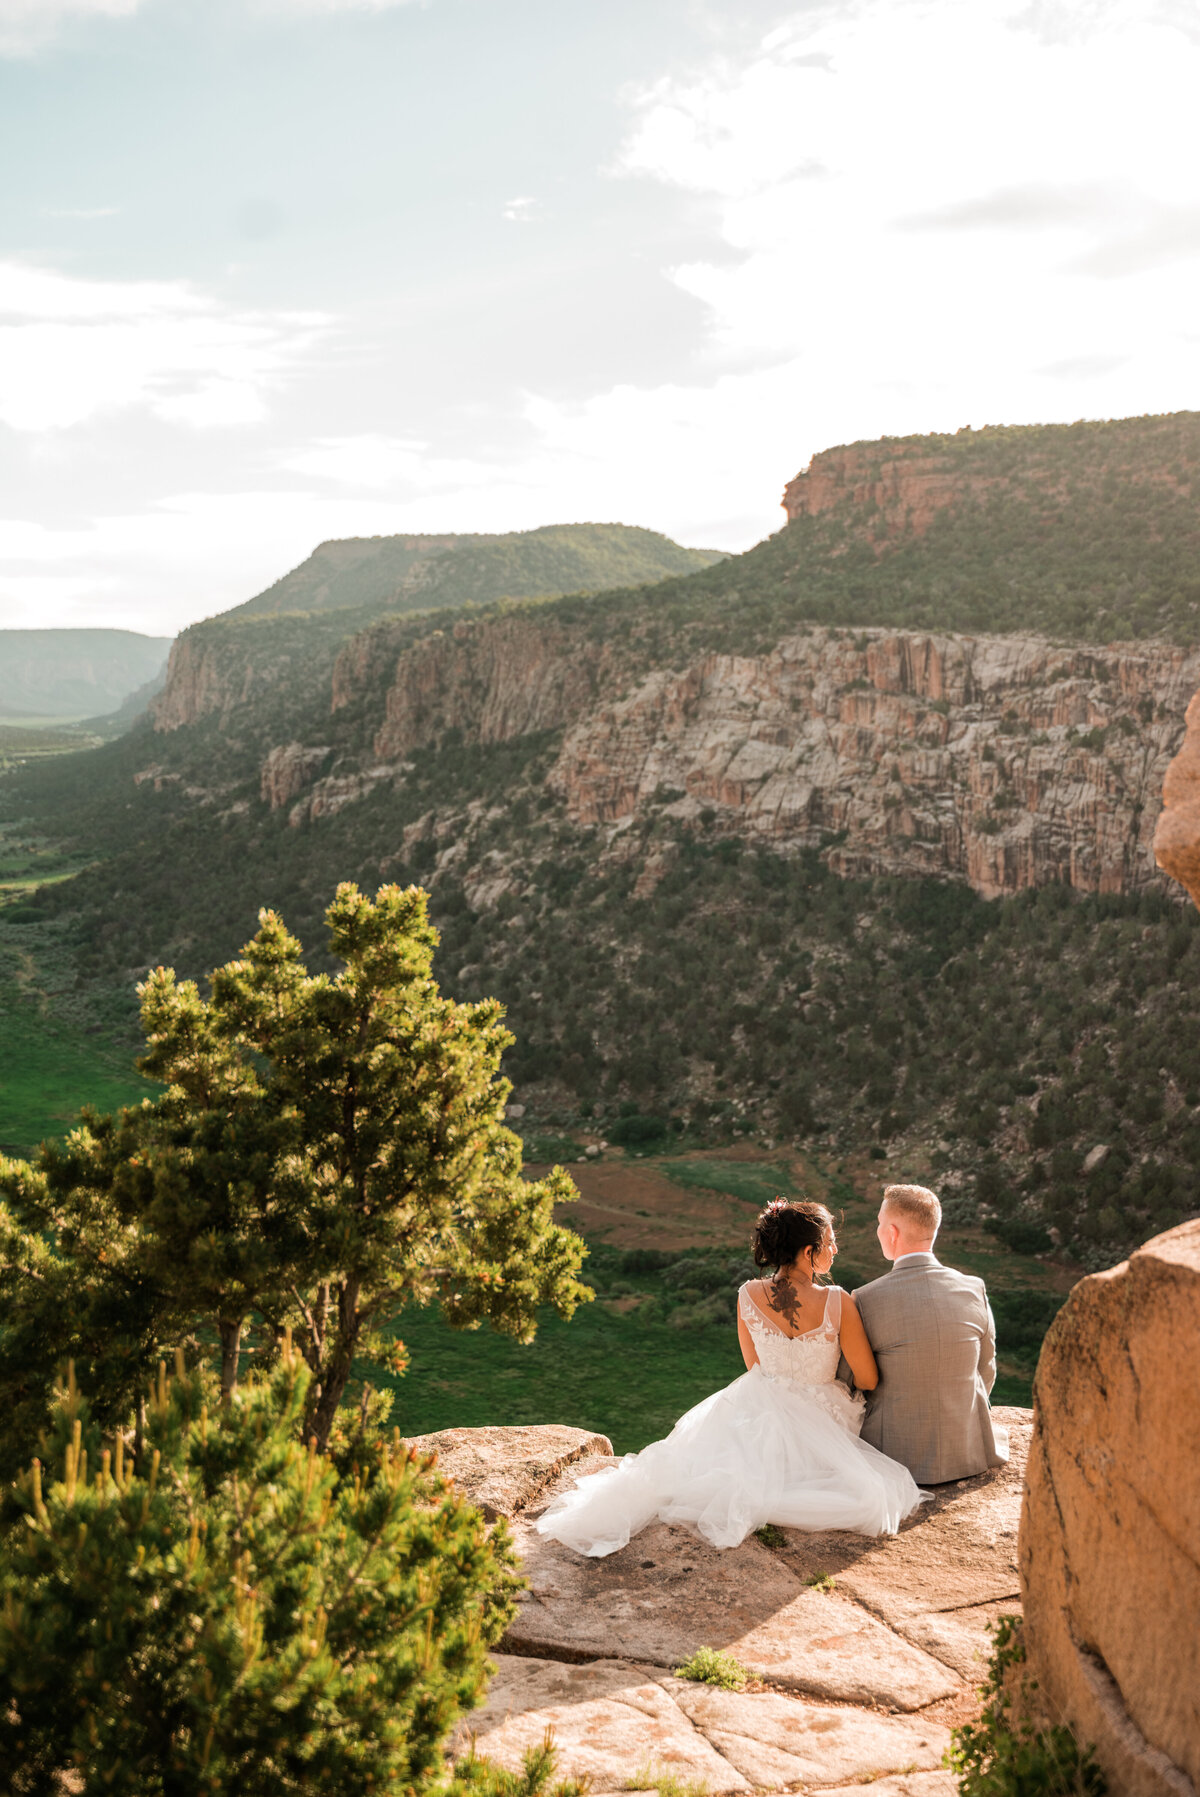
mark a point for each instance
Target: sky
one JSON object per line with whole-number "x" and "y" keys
{"x": 275, "y": 271}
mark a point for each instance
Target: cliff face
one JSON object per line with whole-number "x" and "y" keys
{"x": 204, "y": 675}
{"x": 1007, "y": 762}
{"x": 904, "y": 488}
{"x": 492, "y": 681}
{"x": 896, "y": 486}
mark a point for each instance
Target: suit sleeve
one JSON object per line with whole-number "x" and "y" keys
{"x": 987, "y": 1349}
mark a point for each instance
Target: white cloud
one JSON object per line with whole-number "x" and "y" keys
{"x": 337, "y": 6}
{"x": 371, "y": 462}
{"x": 71, "y": 349}
{"x": 27, "y": 25}
{"x": 521, "y": 210}
{"x": 80, "y": 211}
{"x": 160, "y": 568}
{"x": 929, "y": 212}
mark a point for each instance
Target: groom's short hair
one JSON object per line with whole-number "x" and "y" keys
{"x": 915, "y": 1209}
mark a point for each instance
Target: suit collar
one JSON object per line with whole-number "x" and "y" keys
{"x": 917, "y": 1262}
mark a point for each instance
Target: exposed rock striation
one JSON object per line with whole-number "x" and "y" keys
{"x": 903, "y": 484}
{"x": 216, "y": 670}
{"x": 510, "y": 677}
{"x": 1008, "y": 762}
{"x": 1110, "y": 1531}
{"x": 287, "y": 770}
{"x": 1005, "y": 761}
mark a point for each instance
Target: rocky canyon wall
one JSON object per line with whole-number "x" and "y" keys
{"x": 1007, "y": 762}
{"x": 217, "y": 670}
{"x": 506, "y": 678}
{"x": 1004, "y": 761}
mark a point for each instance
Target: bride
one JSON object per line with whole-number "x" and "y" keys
{"x": 781, "y": 1443}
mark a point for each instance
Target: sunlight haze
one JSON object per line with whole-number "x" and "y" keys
{"x": 282, "y": 271}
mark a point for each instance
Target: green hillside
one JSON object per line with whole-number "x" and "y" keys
{"x": 51, "y": 674}
{"x": 993, "y": 1044}
{"x": 417, "y": 573}
{"x": 1086, "y": 531}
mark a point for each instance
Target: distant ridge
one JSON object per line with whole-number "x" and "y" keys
{"x": 75, "y": 673}
{"x": 424, "y": 572}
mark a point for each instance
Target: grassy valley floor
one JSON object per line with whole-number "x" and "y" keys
{"x": 669, "y": 1239}
{"x": 47, "y": 1069}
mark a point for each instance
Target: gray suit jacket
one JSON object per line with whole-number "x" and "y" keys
{"x": 935, "y": 1344}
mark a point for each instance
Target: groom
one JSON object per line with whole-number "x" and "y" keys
{"x": 935, "y": 1343}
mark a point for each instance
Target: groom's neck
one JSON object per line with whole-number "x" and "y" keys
{"x": 905, "y": 1248}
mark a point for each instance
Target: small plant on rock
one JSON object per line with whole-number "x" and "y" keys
{"x": 1011, "y": 1751}
{"x": 771, "y": 1536}
{"x": 708, "y": 1666}
{"x": 665, "y": 1782}
{"x": 821, "y": 1581}
{"x": 476, "y": 1776}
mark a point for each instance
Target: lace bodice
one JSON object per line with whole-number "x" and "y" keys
{"x": 809, "y": 1359}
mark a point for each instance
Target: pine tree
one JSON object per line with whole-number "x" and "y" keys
{"x": 328, "y": 1148}
{"x": 228, "y": 1616}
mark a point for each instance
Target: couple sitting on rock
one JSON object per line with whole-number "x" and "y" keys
{"x": 789, "y": 1442}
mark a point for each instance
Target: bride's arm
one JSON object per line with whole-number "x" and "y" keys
{"x": 745, "y": 1343}
{"x": 856, "y": 1347}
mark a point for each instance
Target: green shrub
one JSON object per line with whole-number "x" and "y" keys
{"x": 1009, "y": 1752}
{"x": 650, "y": 1777}
{"x": 637, "y": 1131}
{"x": 1023, "y": 1235}
{"x": 708, "y": 1666}
{"x": 224, "y": 1615}
{"x": 475, "y": 1776}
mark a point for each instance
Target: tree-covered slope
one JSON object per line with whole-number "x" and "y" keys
{"x": 416, "y": 573}
{"x": 657, "y": 960}
{"x": 993, "y": 1045}
{"x": 1086, "y": 531}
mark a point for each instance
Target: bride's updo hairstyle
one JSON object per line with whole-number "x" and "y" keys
{"x": 784, "y": 1230}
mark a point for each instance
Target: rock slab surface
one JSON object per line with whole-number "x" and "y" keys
{"x": 854, "y": 1684}
{"x": 1110, "y": 1532}
{"x": 616, "y": 1720}
{"x": 504, "y": 1469}
{"x": 669, "y": 1593}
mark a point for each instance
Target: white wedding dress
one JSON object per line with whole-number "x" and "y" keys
{"x": 779, "y": 1445}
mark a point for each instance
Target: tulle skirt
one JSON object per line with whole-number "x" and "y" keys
{"x": 761, "y": 1450}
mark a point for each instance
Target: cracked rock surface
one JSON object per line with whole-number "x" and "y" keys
{"x": 852, "y": 1685}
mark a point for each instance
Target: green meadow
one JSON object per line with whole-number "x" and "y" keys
{"x": 48, "y": 1070}
{"x": 604, "y": 1370}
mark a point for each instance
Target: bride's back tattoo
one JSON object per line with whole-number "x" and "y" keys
{"x": 783, "y": 1297}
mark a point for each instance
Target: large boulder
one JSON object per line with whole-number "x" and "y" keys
{"x": 1110, "y": 1529}
{"x": 1177, "y": 832}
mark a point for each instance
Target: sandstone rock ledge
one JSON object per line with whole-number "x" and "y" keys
{"x": 1110, "y": 1533}
{"x": 852, "y": 1685}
